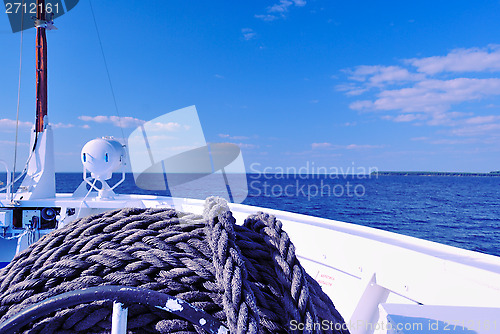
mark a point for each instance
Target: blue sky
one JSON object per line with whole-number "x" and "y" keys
{"x": 395, "y": 85}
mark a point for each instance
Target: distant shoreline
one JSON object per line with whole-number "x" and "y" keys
{"x": 423, "y": 173}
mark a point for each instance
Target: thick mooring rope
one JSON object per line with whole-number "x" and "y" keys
{"x": 248, "y": 277}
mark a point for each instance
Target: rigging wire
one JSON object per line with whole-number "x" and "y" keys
{"x": 107, "y": 71}
{"x": 92, "y": 186}
{"x": 18, "y": 97}
{"x": 25, "y": 169}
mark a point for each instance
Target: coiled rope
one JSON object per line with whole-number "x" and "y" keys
{"x": 248, "y": 277}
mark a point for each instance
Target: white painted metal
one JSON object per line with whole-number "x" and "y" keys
{"x": 31, "y": 218}
{"x": 5, "y": 218}
{"x": 366, "y": 311}
{"x": 40, "y": 181}
{"x": 119, "y": 319}
{"x": 102, "y": 156}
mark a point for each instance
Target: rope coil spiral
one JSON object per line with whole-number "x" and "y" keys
{"x": 247, "y": 277}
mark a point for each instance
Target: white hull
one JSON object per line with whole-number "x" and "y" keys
{"x": 372, "y": 276}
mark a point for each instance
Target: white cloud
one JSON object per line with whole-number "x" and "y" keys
{"x": 461, "y": 60}
{"x": 320, "y": 145}
{"x": 430, "y": 99}
{"x": 377, "y": 75}
{"x": 482, "y": 119}
{"x": 368, "y": 77}
{"x": 450, "y": 118}
{"x": 407, "y": 118}
{"x": 62, "y": 126}
{"x": 477, "y": 130}
{"x": 237, "y": 138}
{"x": 360, "y": 105}
{"x": 361, "y": 147}
{"x": 427, "y": 90}
{"x": 130, "y": 122}
{"x": 299, "y": 3}
{"x": 126, "y": 122}
{"x": 279, "y": 9}
{"x": 267, "y": 17}
{"x": 436, "y": 95}
{"x": 170, "y": 126}
{"x": 352, "y": 89}
{"x": 419, "y": 138}
{"x": 233, "y": 137}
{"x": 8, "y": 142}
{"x": 97, "y": 119}
{"x": 248, "y": 33}
{"x": 247, "y": 146}
{"x": 10, "y": 124}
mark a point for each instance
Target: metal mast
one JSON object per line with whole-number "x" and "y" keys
{"x": 41, "y": 66}
{"x": 40, "y": 175}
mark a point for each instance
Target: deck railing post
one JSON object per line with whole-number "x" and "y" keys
{"x": 119, "y": 320}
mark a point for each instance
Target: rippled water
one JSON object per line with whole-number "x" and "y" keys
{"x": 458, "y": 211}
